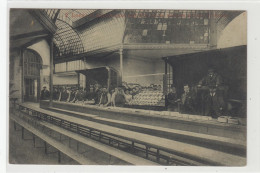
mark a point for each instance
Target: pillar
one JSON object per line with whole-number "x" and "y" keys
{"x": 84, "y": 81}
{"x": 22, "y": 75}
{"x": 51, "y": 71}
{"x": 121, "y": 65}
{"x": 213, "y": 29}
{"x": 78, "y": 76}
{"x": 165, "y": 83}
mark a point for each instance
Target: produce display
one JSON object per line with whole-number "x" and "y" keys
{"x": 147, "y": 97}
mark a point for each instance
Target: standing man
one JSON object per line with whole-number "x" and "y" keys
{"x": 211, "y": 80}
{"x": 215, "y": 104}
{"x": 45, "y": 94}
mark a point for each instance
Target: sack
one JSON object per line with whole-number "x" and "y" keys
{"x": 223, "y": 119}
{"x": 232, "y": 120}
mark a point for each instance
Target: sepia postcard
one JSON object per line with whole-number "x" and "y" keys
{"x": 146, "y": 87}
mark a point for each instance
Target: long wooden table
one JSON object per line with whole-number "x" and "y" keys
{"x": 157, "y": 131}
{"x": 156, "y": 118}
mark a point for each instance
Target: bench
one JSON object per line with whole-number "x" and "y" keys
{"x": 58, "y": 145}
{"x": 179, "y": 148}
{"x": 160, "y": 131}
{"x": 129, "y": 158}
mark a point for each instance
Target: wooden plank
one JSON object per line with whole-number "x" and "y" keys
{"x": 210, "y": 155}
{"x": 73, "y": 112}
{"x": 130, "y": 158}
{"x": 58, "y": 145}
{"x": 201, "y": 136}
{"x": 139, "y": 113}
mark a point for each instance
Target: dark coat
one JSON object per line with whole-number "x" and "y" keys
{"x": 45, "y": 95}
{"x": 172, "y": 100}
{"x": 187, "y": 102}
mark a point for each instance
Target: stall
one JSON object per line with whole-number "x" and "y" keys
{"x": 103, "y": 76}
{"x": 229, "y": 63}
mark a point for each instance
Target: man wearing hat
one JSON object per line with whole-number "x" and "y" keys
{"x": 45, "y": 94}
{"x": 211, "y": 80}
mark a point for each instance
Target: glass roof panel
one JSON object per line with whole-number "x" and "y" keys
{"x": 67, "y": 40}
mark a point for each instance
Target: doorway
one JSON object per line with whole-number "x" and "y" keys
{"x": 31, "y": 76}
{"x": 32, "y": 90}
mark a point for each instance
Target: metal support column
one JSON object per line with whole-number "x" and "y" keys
{"x": 14, "y": 126}
{"x": 109, "y": 79}
{"x": 146, "y": 152}
{"x": 33, "y": 140}
{"x": 121, "y": 65}
{"x": 45, "y": 147}
{"x": 77, "y": 146}
{"x": 158, "y": 155}
{"x": 59, "y": 156}
{"x": 165, "y": 84}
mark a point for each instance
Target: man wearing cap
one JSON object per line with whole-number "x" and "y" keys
{"x": 45, "y": 94}
{"x": 211, "y": 80}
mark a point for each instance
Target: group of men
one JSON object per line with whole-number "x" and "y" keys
{"x": 100, "y": 95}
{"x": 207, "y": 98}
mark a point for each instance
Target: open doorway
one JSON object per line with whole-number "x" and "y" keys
{"x": 32, "y": 89}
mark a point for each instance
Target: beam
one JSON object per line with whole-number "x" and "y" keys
{"x": 44, "y": 20}
{"x": 104, "y": 52}
{"x": 31, "y": 35}
{"x": 152, "y": 46}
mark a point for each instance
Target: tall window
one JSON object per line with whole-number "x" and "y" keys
{"x": 32, "y": 64}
